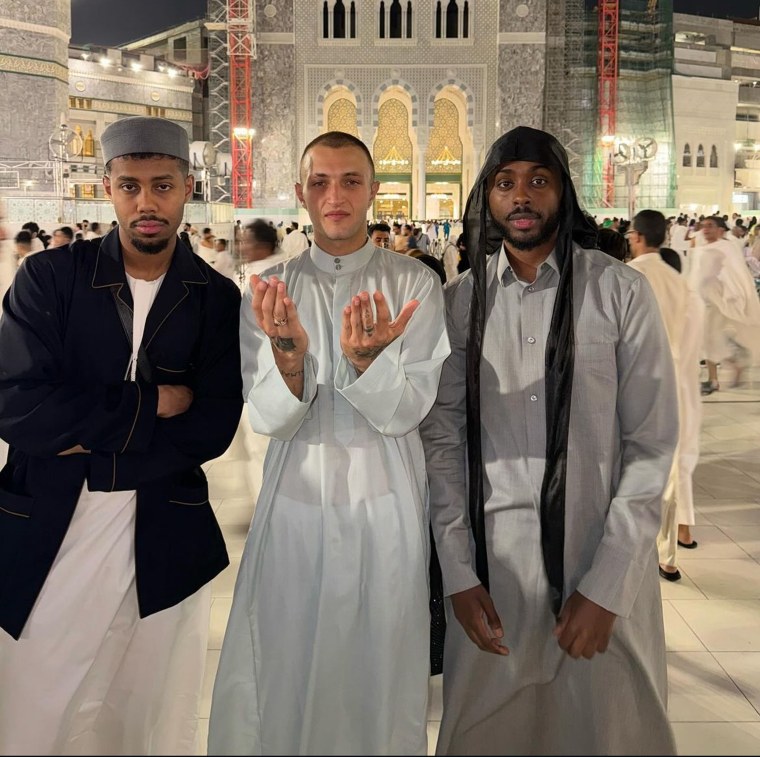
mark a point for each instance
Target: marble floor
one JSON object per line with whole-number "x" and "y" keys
{"x": 712, "y": 616}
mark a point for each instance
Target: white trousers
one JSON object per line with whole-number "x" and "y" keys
{"x": 88, "y": 676}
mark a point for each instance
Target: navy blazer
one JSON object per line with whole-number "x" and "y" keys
{"x": 64, "y": 356}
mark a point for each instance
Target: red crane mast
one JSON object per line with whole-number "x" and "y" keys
{"x": 607, "y": 76}
{"x": 241, "y": 50}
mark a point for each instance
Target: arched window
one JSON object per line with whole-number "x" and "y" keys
{"x": 449, "y": 22}
{"x": 700, "y": 157}
{"x": 713, "y": 157}
{"x": 334, "y": 20}
{"x": 339, "y": 20}
{"x": 452, "y": 20}
{"x": 687, "y": 156}
{"x": 396, "y": 19}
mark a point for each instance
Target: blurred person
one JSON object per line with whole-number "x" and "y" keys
{"x": 34, "y": 231}
{"x": 204, "y": 246}
{"x": 62, "y": 236}
{"x": 295, "y": 242}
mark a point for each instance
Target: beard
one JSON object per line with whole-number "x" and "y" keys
{"x": 149, "y": 246}
{"x": 544, "y": 231}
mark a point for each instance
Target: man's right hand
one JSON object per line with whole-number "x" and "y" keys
{"x": 173, "y": 400}
{"x": 475, "y": 611}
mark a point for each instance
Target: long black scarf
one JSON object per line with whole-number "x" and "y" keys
{"x": 484, "y": 237}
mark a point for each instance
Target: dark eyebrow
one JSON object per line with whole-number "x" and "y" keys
{"x": 152, "y": 178}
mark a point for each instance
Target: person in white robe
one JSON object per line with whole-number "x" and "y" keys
{"x": 327, "y": 646}
{"x": 645, "y": 237}
{"x": 732, "y": 308}
{"x": 548, "y": 450}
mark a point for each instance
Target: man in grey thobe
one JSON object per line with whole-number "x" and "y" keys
{"x": 548, "y": 452}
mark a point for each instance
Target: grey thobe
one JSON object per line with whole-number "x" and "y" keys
{"x": 623, "y": 432}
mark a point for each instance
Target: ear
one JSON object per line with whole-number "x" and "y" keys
{"x": 107, "y": 185}
{"x": 189, "y": 184}
{"x": 299, "y": 194}
{"x": 373, "y": 192}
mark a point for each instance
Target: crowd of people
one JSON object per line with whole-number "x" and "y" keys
{"x": 495, "y": 428}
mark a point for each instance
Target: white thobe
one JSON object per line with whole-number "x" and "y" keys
{"x": 732, "y": 309}
{"x": 672, "y": 294}
{"x": 327, "y": 646}
{"x": 623, "y": 431}
{"x": 88, "y": 675}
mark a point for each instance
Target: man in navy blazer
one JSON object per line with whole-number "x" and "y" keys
{"x": 119, "y": 376}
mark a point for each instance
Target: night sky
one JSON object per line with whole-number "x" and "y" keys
{"x": 112, "y": 22}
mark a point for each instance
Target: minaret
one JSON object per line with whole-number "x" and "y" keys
{"x": 34, "y": 76}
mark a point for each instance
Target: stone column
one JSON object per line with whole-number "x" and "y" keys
{"x": 420, "y": 199}
{"x": 34, "y": 76}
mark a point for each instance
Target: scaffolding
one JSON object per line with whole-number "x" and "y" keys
{"x": 569, "y": 99}
{"x": 643, "y": 107}
{"x": 218, "y": 89}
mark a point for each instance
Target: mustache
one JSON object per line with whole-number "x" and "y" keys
{"x": 143, "y": 219}
{"x": 521, "y": 213}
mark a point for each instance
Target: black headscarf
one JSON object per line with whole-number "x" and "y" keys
{"x": 485, "y": 237}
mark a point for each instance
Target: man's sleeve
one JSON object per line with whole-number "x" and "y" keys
{"x": 398, "y": 389}
{"x": 647, "y": 411}
{"x": 207, "y": 428}
{"x": 444, "y": 436}
{"x": 42, "y": 413}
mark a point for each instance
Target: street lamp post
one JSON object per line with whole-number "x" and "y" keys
{"x": 633, "y": 157}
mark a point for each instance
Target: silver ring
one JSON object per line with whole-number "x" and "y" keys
{"x": 369, "y": 331}
{"x": 280, "y": 321}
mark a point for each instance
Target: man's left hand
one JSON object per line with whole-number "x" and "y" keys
{"x": 583, "y": 628}
{"x": 362, "y": 338}
{"x": 78, "y": 450}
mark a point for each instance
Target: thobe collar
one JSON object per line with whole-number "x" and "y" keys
{"x": 343, "y": 264}
{"x": 505, "y": 276}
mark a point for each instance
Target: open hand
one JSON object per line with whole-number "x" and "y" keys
{"x": 277, "y": 316}
{"x": 363, "y": 338}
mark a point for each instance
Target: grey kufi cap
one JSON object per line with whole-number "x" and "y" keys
{"x": 144, "y": 134}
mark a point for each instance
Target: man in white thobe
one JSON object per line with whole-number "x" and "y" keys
{"x": 645, "y": 237}
{"x": 732, "y": 310}
{"x": 548, "y": 451}
{"x": 327, "y": 646}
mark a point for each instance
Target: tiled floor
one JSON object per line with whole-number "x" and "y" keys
{"x": 712, "y": 616}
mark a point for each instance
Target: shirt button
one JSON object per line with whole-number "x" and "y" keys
{"x": 533, "y": 398}
{"x": 531, "y": 340}
{"x": 531, "y": 289}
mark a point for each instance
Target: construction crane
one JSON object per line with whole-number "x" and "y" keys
{"x": 241, "y": 51}
{"x": 607, "y": 77}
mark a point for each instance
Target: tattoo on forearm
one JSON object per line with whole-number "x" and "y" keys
{"x": 371, "y": 352}
{"x": 284, "y": 344}
{"x": 292, "y": 374}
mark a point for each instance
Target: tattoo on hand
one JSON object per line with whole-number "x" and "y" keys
{"x": 292, "y": 374}
{"x": 284, "y": 344}
{"x": 371, "y": 352}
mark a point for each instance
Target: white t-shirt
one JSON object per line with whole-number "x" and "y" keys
{"x": 143, "y": 294}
